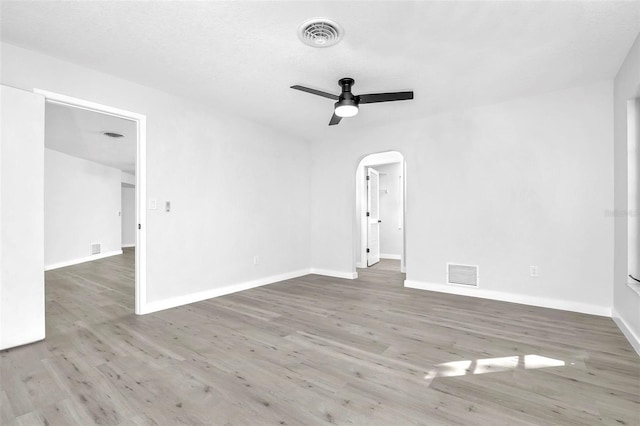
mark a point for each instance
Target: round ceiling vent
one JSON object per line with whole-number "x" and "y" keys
{"x": 320, "y": 32}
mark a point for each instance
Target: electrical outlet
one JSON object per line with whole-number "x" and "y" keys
{"x": 533, "y": 271}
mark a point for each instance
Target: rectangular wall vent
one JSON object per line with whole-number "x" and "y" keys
{"x": 462, "y": 274}
{"x": 95, "y": 248}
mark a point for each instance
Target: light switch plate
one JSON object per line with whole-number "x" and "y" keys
{"x": 153, "y": 204}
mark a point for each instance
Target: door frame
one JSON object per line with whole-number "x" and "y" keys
{"x": 141, "y": 183}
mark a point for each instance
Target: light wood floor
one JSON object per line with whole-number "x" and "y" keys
{"x": 313, "y": 350}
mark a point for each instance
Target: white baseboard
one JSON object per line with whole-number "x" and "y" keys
{"x": 128, "y": 245}
{"x": 633, "y": 338}
{"x": 361, "y": 265}
{"x": 173, "y": 302}
{"x": 81, "y": 260}
{"x": 390, "y": 256}
{"x": 335, "y": 274}
{"x": 512, "y": 297}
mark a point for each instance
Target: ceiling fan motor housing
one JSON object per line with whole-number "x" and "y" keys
{"x": 346, "y": 97}
{"x": 347, "y": 105}
{"x": 346, "y": 84}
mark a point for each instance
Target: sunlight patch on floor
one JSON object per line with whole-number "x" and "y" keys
{"x": 492, "y": 365}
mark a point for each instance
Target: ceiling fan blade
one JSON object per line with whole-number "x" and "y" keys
{"x": 316, "y": 92}
{"x": 385, "y": 97}
{"x": 335, "y": 120}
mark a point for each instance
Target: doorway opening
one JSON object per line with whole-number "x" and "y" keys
{"x": 380, "y": 211}
{"x": 95, "y": 190}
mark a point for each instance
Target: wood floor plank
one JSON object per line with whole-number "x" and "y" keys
{"x": 313, "y": 350}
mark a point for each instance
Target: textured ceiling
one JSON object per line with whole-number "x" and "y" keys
{"x": 78, "y": 132}
{"x": 245, "y": 55}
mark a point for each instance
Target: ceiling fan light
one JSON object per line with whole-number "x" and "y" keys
{"x": 346, "y": 111}
{"x": 346, "y": 108}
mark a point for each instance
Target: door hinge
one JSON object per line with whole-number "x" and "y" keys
{"x": 368, "y": 250}
{"x": 368, "y": 214}
{"x": 368, "y": 177}
{"x": 139, "y": 226}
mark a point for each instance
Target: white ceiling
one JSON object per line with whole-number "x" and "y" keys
{"x": 245, "y": 55}
{"x": 78, "y": 132}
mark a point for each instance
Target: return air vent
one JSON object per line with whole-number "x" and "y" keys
{"x": 462, "y": 274}
{"x": 95, "y": 248}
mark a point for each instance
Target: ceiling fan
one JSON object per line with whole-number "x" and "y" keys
{"x": 347, "y": 105}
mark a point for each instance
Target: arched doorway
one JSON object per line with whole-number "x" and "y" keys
{"x": 380, "y": 228}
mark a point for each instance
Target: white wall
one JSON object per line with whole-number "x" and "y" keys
{"x": 21, "y": 195}
{"x": 237, "y": 189}
{"x": 390, "y": 210}
{"x": 626, "y": 302}
{"x": 128, "y": 219}
{"x": 504, "y": 186}
{"x": 81, "y": 207}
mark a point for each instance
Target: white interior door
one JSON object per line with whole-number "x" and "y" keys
{"x": 22, "y": 218}
{"x": 373, "y": 217}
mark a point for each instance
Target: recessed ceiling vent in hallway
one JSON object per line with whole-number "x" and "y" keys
{"x": 320, "y": 32}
